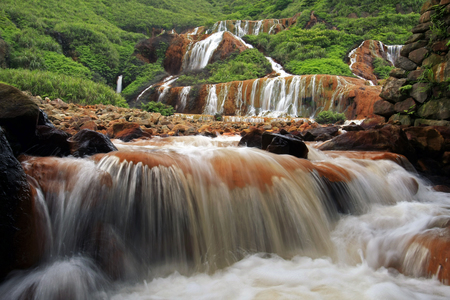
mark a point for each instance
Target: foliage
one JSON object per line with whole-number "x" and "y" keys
{"x": 329, "y": 117}
{"x": 67, "y": 88}
{"x": 158, "y": 107}
{"x": 141, "y": 76}
{"x": 381, "y": 68}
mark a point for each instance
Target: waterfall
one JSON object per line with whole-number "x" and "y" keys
{"x": 202, "y": 51}
{"x": 393, "y": 52}
{"x": 119, "y": 84}
{"x": 183, "y": 97}
{"x": 159, "y": 218}
{"x": 164, "y": 88}
{"x": 278, "y": 68}
{"x": 257, "y": 27}
{"x": 211, "y": 101}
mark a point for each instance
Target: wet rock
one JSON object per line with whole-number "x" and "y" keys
{"x": 88, "y": 142}
{"x": 126, "y": 131}
{"x": 387, "y": 138}
{"x": 407, "y": 106}
{"x": 419, "y": 92}
{"x": 372, "y": 122}
{"x": 50, "y": 141}
{"x": 15, "y": 205}
{"x": 284, "y": 144}
{"x": 19, "y": 116}
{"x": 43, "y": 119}
{"x": 253, "y": 138}
{"x": 401, "y": 119}
{"x": 353, "y": 127}
{"x": 418, "y": 55}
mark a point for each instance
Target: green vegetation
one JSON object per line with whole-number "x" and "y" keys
{"x": 329, "y": 117}
{"x": 94, "y": 40}
{"x": 381, "y": 68}
{"x": 67, "y": 88}
{"x": 158, "y": 107}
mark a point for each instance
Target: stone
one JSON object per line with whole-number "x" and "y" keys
{"x": 411, "y": 47}
{"x": 353, "y": 127}
{"x": 440, "y": 46}
{"x": 433, "y": 60}
{"x": 59, "y": 104}
{"x": 389, "y": 138}
{"x": 435, "y": 109}
{"x": 428, "y": 5}
{"x": 284, "y": 144}
{"x": 126, "y": 131}
{"x": 419, "y": 92}
{"x": 383, "y": 108}
{"x": 406, "y": 107}
{"x": 402, "y": 119}
{"x": 398, "y": 73}
{"x": 415, "y": 37}
{"x": 418, "y": 55}
{"x": 15, "y": 204}
{"x": 442, "y": 72}
{"x": 330, "y": 130}
{"x": 43, "y": 119}
{"x": 19, "y": 116}
{"x": 49, "y": 141}
{"x": 415, "y": 75}
{"x": 421, "y": 28}
{"x": 421, "y": 122}
{"x": 372, "y": 122}
{"x": 253, "y": 138}
{"x": 427, "y": 141}
{"x": 405, "y": 63}
{"x": 426, "y": 17}
{"x": 391, "y": 90}
{"x": 88, "y": 142}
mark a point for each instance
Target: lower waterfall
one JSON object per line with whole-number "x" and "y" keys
{"x": 199, "y": 218}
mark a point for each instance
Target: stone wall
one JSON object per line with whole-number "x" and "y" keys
{"x": 417, "y": 92}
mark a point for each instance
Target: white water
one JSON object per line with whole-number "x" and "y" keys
{"x": 165, "y": 86}
{"x": 348, "y": 257}
{"x": 183, "y": 97}
{"x": 241, "y": 27}
{"x": 119, "y": 84}
{"x": 202, "y": 52}
{"x": 278, "y": 68}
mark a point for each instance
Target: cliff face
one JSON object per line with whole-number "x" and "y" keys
{"x": 417, "y": 91}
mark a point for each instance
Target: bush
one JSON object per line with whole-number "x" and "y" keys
{"x": 68, "y": 88}
{"x": 158, "y": 107}
{"x": 329, "y": 117}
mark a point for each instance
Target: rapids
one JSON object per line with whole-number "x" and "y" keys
{"x": 199, "y": 218}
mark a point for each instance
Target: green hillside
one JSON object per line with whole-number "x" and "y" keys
{"x": 94, "y": 39}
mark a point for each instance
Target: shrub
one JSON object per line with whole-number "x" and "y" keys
{"x": 158, "y": 107}
{"x": 68, "y": 88}
{"x": 329, "y": 117}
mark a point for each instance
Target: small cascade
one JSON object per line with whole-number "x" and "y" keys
{"x": 257, "y": 27}
{"x": 393, "y": 52}
{"x": 245, "y": 27}
{"x": 183, "y": 97}
{"x": 202, "y": 51}
{"x": 165, "y": 86}
{"x": 119, "y": 84}
{"x": 195, "y": 217}
{"x": 278, "y": 68}
{"x": 353, "y": 57}
{"x": 275, "y": 24}
{"x": 211, "y": 101}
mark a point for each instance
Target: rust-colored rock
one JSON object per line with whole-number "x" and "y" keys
{"x": 126, "y": 131}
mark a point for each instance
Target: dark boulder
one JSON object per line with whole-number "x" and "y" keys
{"x": 43, "y": 119}
{"x": 284, "y": 144}
{"x": 49, "y": 141}
{"x": 87, "y": 142}
{"x": 16, "y": 200}
{"x": 18, "y": 116}
{"x": 353, "y": 127}
{"x": 427, "y": 141}
{"x": 253, "y": 139}
{"x": 387, "y": 138}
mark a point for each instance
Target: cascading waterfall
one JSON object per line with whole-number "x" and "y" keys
{"x": 211, "y": 107}
{"x": 164, "y": 88}
{"x": 195, "y": 217}
{"x": 393, "y": 52}
{"x": 202, "y": 51}
{"x": 257, "y": 27}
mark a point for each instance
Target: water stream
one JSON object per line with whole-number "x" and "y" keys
{"x": 199, "y": 218}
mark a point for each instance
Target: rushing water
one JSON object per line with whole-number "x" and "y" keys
{"x": 199, "y": 218}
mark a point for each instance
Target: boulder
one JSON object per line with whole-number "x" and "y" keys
{"x": 435, "y": 109}
{"x": 284, "y": 144}
{"x": 387, "y": 138}
{"x": 19, "y": 116}
{"x": 426, "y": 140}
{"x": 419, "y": 92}
{"x": 401, "y": 119}
{"x": 405, "y": 63}
{"x": 353, "y": 127}
{"x": 43, "y": 119}
{"x": 418, "y": 55}
{"x": 49, "y": 141}
{"x": 15, "y": 212}
{"x": 228, "y": 46}
{"x": 253, "y": 138}
{"x": 383, "y": 108}
{"x": 407, "y": 106}
{"x": 88, "y": 142}
{"x": 126, "y": 131}
{"x": 391, "y": 90}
